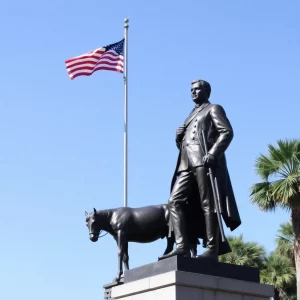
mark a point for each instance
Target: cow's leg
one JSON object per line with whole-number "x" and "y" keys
{"x": 126, "y": 256}
{"x": 170, "y": 244}
{"x": 194, "y": 250}
{"x": 121, "y": 242}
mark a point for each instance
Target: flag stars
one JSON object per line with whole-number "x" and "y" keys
{"x": 118, "y": 47}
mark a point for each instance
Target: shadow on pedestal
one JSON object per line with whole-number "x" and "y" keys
{"x": 192, "y": 265}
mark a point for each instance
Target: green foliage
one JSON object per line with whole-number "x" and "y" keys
{"x": 280, "y": 173}
{"x": 262, "y": 195}
{"x": 285, "y": 246}
{"x": 280, "y": 187}
{"x": 285, "y": 241}
{"x": 244, "y": 253}
{"x": 278, "y": 271}
{"x": 288, "y": 297}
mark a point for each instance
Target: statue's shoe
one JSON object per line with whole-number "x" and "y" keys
{"x": 176, "y": 251}
{"x": 209, "y": 254}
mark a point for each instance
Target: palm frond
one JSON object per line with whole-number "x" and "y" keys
{"x": 244, "y": 253}
{"x": 284, "y": 189}
{"x": 285, "y": 241}
{"x": 265, "y": 167}
{"x": 280, "y": 173}
{"x": 289, "y": 148}
{"x": 261, "y": 194}
{"x": 278, "y": 271}
{"x": 286, "y": 231}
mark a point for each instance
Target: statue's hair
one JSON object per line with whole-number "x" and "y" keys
{"x": 205, "y": 84}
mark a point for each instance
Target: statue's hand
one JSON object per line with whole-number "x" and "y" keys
{"x": 180, "y": 133}
{"x": 180, "y": 130}
{"x": 209, "y": 160}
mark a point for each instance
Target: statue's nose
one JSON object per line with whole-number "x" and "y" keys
{"x": 93, "y": 237}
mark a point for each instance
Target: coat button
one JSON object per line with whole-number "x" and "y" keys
{"x": 196, "y": 120}
{"x": 195, "y": 126}
{"x": 193, "y": 138}
{"x": 187, "y": 144}
{"x": 194, "y": 131}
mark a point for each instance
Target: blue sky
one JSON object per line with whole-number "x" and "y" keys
{"x": 62, "y": 141}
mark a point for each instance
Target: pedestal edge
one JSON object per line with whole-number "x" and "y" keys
{"x": 187, "y": 279}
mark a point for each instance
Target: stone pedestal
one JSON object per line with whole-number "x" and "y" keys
{"x": 190, "y": 279}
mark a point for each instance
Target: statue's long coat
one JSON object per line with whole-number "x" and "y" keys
{"x": 212, "y": 120}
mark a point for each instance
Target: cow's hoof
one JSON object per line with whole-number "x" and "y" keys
{"x": 118, "y": 278}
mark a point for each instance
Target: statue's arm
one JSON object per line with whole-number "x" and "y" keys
{"x": 178, "y": 143}
{"x": 224, "y": 129}
{"x": 179, "y": 136}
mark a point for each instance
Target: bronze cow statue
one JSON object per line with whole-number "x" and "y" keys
{"x": 141, "y": 225}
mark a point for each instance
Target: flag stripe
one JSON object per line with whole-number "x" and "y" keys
{"x": 96, "y": 69}
{"x": 87, "y": 69}
{"x": 88, "y": 73}
{"x": 93, "y": 66}
{"x": 92, "y": 62}
{"x": 91, "y": 70}
{"x": 96, "y": 53}
{"x": 106, "y": 58}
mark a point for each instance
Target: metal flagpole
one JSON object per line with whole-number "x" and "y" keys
{"x": 125, "y": 110}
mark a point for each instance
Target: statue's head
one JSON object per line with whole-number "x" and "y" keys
{"x": 200, "y": 91}
{"x": 92, "y": 225}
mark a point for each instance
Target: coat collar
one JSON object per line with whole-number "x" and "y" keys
{"x": 194, "y": 113}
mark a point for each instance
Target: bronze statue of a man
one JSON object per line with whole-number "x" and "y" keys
{"x": 191, "y": 184}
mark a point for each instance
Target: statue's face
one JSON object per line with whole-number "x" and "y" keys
{"x": 92, "y": 226}
{"x": 198, "y": 92}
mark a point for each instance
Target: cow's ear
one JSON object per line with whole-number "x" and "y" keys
{"x": 86, "y": 214}
{"x": 95, "y": 210}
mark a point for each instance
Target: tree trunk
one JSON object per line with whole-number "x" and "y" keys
{"x": 296, "y": 227}
{"x": 276, "y": 294}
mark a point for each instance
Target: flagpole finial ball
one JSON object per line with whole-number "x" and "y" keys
{"x": 126, "y": 23}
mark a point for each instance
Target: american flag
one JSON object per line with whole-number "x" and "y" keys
{"x": 109, "y": 58}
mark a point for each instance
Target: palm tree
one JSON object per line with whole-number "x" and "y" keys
{"x": 285, "y": 241}
{"x": 280, "y": 187}
{"x": 275, "y": 269}
{"x": 244, "y": 253}
{"x": 279, "y": 272}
